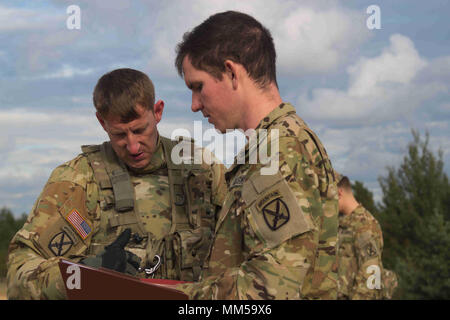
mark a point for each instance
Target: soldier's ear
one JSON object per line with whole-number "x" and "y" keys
{"x": 340, "y": 192}
{"x": 232, "y": 72}
{"x": 158, "y": 110}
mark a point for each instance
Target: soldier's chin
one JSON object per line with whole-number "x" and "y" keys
{"x": 220, "y": 129}
{"x": 138, "y": 164}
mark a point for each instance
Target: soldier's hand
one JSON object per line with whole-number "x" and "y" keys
{"x": 115, "y": 257}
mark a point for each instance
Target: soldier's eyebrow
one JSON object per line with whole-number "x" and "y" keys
{"x": 193, "y": 85}
{"x": 140, "y": 128}
{"x": 116, "y": 131}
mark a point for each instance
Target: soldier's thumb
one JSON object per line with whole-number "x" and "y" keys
{"x": 122, "y": 239}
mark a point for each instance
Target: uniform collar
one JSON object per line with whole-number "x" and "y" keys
{"x": 346, "y": 219}
{"x": 280, "y": 111}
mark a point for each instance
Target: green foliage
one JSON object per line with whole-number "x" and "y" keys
{"x": 8, "y": 227}
{"x": 414, "y": 217}
{"x": 364, "y": 196}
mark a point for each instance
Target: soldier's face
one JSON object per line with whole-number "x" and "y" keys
{"x": 134, "y": 142}
{"x": 213, "y": 97}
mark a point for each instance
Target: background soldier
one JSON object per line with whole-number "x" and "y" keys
{"x": 361, "y": 272}
{"x": 276, "y": 234}
{"x": 125, "y": 188}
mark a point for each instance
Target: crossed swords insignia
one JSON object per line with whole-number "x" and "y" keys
{"x": 276, "y": 214}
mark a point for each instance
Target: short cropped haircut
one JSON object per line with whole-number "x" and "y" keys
{"x": 118, "y": 92}
{"x": 344, "y": 183}
{"x": 231, "y": 36}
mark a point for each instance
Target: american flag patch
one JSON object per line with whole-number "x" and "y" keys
{"x": 80, "y": 225}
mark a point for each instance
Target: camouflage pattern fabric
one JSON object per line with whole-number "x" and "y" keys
{"x": 360, "y": 249}
{"x": 389, "y": 283}
{"x": 276, "y": 235}
{"x": 69, "y": 220}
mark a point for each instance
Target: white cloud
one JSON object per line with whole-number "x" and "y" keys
{"x": 67, "y": 71}
{"x": 374, "y": 147}
{"x": 398, "y": 64}
{"x": 20, "y": 19}
{"x": 23, "y": 117}
{"x": 316, "y": 40}
{"x": 37, "y": 138}
{"x": 311, "y": 36}
{"x": 380, "y": 88}
{"x": 33, "y": 143}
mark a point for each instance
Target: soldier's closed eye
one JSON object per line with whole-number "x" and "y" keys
{"x": 119, "y": 135}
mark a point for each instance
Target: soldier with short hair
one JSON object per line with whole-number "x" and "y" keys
{"x": 123, "y": 205}
{"x": 361, "y": 272}
{"x": 277, "y": 232}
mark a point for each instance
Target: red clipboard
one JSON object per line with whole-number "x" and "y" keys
{"x": 87, "y": 283}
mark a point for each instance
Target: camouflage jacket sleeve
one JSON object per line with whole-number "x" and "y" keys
{"x": 219, "y": 186}
{"x": 47, "y": 235}
{"x": 267, "y": 245}
{"x": 368, "y": 250}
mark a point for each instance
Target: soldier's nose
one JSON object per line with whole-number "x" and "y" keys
{"x": 196, "y": 104}
{"x": 132, "y": 144}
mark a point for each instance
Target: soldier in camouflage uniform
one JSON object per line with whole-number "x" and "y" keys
{"x": 126, "y": 188}
{"x": 361, "y": 272}
{"x": 277, "y": 231}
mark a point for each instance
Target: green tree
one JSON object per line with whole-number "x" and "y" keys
{"x": 364, "y": 196}
{"x": 414, "y": 216}
{"x": 8, "y": 227}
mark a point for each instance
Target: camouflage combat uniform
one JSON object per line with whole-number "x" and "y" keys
{"x": 88, "y": 201}
{"x": 360, "y": 247}
{"x": 276, "y": 234}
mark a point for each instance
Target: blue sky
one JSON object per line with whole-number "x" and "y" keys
{"x": 361, "y": 90}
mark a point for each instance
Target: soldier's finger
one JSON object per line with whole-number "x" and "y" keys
{"x": 122, "y": 239}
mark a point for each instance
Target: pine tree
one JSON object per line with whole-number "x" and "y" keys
{"x": 365, "y": 197}
{"x": 8, "y": 227}
{"x": 414, "y": 216}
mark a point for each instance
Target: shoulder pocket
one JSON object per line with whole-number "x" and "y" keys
{"x": 275, "y": 214}
{"x": 65, "y": 233}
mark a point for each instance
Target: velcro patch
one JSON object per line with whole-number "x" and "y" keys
{"x": 271, "y": 196}
{"x": 60, "y": 244}
{"x": 276, "y": 214}
{"x": 79, "y": 223}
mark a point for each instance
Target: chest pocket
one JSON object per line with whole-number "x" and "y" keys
{"x": 200, "y": 209}
{"x": 274, "y": 212}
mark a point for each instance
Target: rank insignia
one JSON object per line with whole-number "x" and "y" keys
{"x": 60, "y": 244}
{"x": 276, "y": 214}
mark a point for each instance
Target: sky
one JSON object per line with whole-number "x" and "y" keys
{"x": 361, "y": 78}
